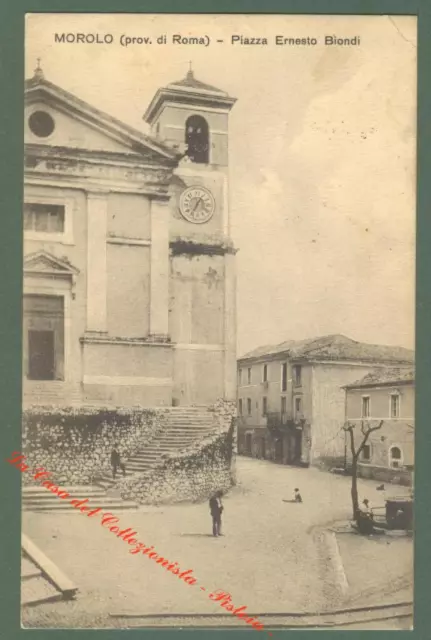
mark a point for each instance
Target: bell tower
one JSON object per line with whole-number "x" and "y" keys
{"x": 192, "y": 117}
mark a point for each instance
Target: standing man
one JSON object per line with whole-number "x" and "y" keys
{"x": 216, "y": 508}
{"x": 116, "y": 461}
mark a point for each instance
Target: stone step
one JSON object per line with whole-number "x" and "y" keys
{"x": 98, "y": 500}
{"x": 144, "y": 464}
{"x": 182, "y": 437}
{"x": 189, "y": 415}
{"x": 155, "y": 453}
{"x": 188, "y": 428}
{"x": 160, "y": 446}
{"x": 45, "y": 494}
{"x": 76, "y": 489}
{"x": 108, "y": 504}
{"x": 184, "y": 421}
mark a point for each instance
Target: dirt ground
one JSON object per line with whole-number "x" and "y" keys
{"x": 274, "y": 557}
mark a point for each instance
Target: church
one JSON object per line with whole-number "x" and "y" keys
{"x": 129, "y": 269}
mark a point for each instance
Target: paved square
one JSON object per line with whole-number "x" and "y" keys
{"x": 273, "y": 556}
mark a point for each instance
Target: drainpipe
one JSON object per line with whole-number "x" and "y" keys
{"x": 345, "y": 433}
{"x": 345, "y": 451}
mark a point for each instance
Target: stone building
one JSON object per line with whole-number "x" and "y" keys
{"x": 387, "y": 395}
{"x": 291, "y": 400}
{"x": 129, "y": 274}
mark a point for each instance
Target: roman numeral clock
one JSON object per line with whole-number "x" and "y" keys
{"x": 197, "y": 204}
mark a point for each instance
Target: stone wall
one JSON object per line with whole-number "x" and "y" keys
{"x": 381, "y": 474}
{"x": 193, "y": 474}
{"x": 74, "y": 444}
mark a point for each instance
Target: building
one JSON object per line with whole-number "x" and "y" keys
{"x": 291, "y": 400}
{"x": 129, "y": 274}
{"x": 388, "y": 396}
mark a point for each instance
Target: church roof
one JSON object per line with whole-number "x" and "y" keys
{"x": 37, "y": 86}
{"x": 191, "y": 91}
{"x": 335, "y": 348}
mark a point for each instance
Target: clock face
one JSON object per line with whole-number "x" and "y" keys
{"x": 197, "y": 205}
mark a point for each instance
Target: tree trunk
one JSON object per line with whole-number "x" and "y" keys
{"x": 354, "y": 490}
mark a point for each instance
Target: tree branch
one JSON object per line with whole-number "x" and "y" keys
{"x": 367, "y": 434}
{"x": 349, "y": 429}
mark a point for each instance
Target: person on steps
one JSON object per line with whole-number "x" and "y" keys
{"x": 116, "y": 462}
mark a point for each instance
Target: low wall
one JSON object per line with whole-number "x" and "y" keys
{"x": 194, "y": 474}
{"x": 382, "y": 474}
{"x": 74, "y": 444}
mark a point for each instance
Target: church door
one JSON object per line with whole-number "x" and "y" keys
{"x": 41, "y": 361}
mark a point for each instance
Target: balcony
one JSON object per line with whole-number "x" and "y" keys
{"x": 278, "y": 420}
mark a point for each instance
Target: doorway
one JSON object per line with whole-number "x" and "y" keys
{"x": 41, "y": 355}
{"x": 295, "y": 447}
{"x": 279, "y": 450}
{"x": 248, "y": 440}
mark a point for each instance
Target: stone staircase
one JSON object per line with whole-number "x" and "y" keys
{"x": 183, "y": 427}
{"x": 51, "y": 392}
{"x": 38, "y": 498}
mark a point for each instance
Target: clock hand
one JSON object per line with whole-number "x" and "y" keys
{"x": 196, "y": 205}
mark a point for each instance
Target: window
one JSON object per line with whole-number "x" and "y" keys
{"x": 240, "y": 406}
{"x": 365, "y": 406}
{"x": 249, "y": 406}
{"x": 249, "y": 376}
{"x": 265, "y": 373}
{"x": 284, "y": 376}
{"x": 395, "y": 405}
{"x": 240, "y": 377}
{"x": 197, "y": 139}
{"x": 41, "y": 124}
{"x": 283, "y": 404}
{"x": 44, "y": 218}
{"x": 264, "y": 406}
{"x": 297, "y": 375}
{"x": 298, "y": 406}
{"x": 395, "y": 457}
{"x": 366, "y": 453}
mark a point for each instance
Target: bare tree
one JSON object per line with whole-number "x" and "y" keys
{"x": 366, "y": 430}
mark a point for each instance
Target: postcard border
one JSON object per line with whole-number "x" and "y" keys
{"x": 11, "y": 130}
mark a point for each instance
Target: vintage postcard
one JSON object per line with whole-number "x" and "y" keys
{"x": 218, "y": 321}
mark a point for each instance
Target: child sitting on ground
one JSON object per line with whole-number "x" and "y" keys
{"x": 297, "y": 496}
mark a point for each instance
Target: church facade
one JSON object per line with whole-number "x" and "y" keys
{"x": 129, "y": 269}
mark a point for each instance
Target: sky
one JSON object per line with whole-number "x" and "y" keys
{"x": 322, "y": 155}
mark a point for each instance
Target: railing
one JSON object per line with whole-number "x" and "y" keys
{"x": 279, "y": 420}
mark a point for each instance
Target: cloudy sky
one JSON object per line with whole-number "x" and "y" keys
{"x": 322, "y": 155}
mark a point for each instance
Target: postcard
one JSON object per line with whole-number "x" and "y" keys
{"x": 218, "y": 321}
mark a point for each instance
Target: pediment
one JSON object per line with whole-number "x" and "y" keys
{"x": 79, "y": 125}
{"x": 44, "y": 263}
